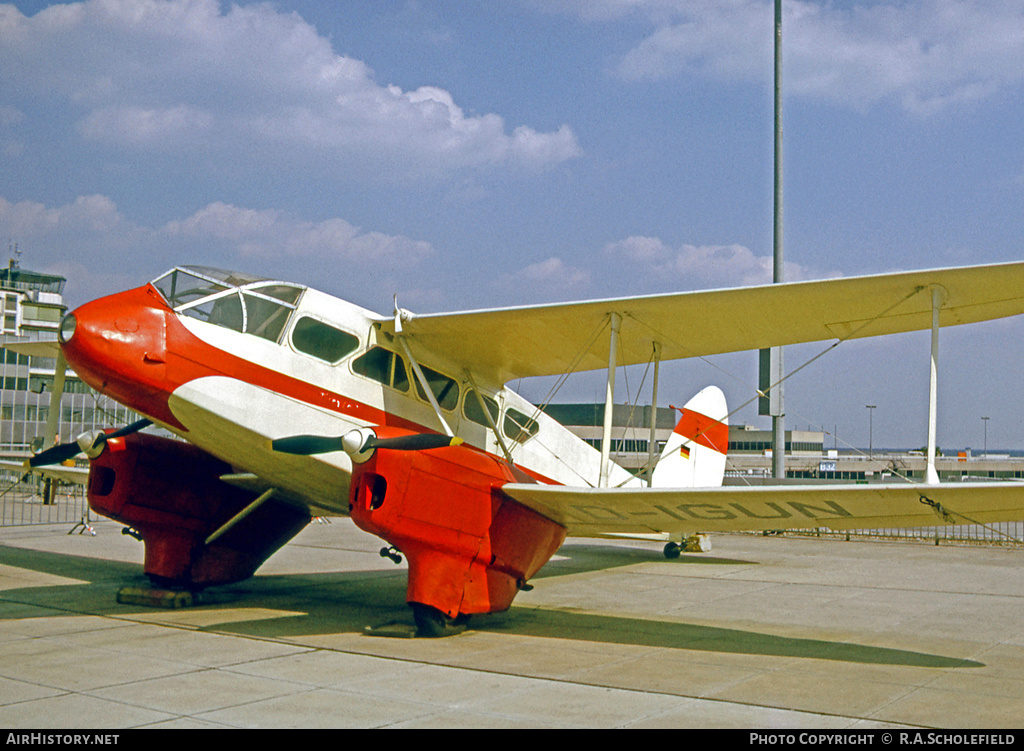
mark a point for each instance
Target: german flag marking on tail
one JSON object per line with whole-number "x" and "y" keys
{"x": 703, "y": 430}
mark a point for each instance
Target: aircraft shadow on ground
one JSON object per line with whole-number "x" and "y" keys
{"x": 580, "y": 557}
{"x": 346, "y": 602}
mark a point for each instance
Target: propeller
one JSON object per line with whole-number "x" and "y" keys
{"x": 91, "y": 444}
{"x": 361, "y": 443}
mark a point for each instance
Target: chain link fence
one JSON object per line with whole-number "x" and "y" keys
{"x": 1002, "y": 534}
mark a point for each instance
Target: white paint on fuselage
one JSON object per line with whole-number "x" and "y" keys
{"x": 236, "y": 421}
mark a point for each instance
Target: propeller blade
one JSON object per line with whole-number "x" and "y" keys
{"x": 306, "y": 445}
{"x": 55, "y": 454}
{"x": 415, "y": 442}
{"x": 64, "y": 451}
{"x": 134, "y": 427}
{"x": 361, "y": 441}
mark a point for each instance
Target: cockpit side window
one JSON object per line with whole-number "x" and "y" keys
{"x": 180, "y": 287}
{"x": 225, "y": 311}
{"x": 236, "y": 301}
{"x": 321, "y": 340}
{"x": 264, "y": 317}
{"x": 286, "y": 293}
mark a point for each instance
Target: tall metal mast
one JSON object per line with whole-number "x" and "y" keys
{"x": 778, "y": 419}
{"x": 771, "y": 361}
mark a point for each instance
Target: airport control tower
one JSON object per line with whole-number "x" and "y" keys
{"x": 32, "y": 305}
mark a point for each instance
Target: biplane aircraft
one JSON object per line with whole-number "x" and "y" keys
{"x": 291, "y": 404}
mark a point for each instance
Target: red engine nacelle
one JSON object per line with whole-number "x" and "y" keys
{"x": 171, "y": 494}
{"x": 470, "y": 548}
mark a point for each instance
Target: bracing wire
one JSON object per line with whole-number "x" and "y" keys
{"x": 758, "y": 392}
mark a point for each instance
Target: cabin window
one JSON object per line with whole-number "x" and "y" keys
{"x": 518, "y": 427}
{"x": 384, "y": 366}
{"x": 445, "y": 390}
{"x": 471, "y": 409}
{"x": 322, "y": 341}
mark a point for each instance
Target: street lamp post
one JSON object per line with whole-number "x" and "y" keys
{"x": 871, "y": 429}
{"x": 985, "y": 423}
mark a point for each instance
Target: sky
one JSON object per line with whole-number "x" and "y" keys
{"x": 465, "y": 154}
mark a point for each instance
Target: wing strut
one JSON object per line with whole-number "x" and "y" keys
{"x": 652, "y": 443}
{"x": 490, "y": 420}
{"x": 931, "y": 475}
{"x": 418, "y": 371}
{"x": 56, "y": 397}
{"x": 609, "y": 399}
{"x": 260, "y": 500}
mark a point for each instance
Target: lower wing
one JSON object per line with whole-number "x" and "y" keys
{"x": 599, "y": 511}
{"x": 73, "y": 475}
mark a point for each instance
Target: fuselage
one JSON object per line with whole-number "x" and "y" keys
{"x": 230, "y": 362}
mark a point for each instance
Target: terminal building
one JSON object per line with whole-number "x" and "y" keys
{"x": 750, "y": 451}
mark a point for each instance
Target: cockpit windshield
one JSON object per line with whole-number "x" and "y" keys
{"x": 241, "y": 302}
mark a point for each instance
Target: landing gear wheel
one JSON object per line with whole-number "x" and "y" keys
{"x": 672, "y": 550}
{"x": 431, "y": 623}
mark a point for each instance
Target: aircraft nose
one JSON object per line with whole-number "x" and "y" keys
{"x": 67, "y": 328}
{"x": 118, "y": 345}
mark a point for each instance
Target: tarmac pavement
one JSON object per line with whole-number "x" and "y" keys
{"x": 760, "y": 632}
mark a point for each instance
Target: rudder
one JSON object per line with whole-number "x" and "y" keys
{"x": 695, "y": 454}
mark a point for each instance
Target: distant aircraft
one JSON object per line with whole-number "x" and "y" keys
{"x": 292, "y": 404}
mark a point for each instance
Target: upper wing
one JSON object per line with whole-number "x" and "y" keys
{"x": 597, "y": 511}
{"x": 508, "y": 343}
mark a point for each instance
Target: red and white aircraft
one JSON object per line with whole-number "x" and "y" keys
{"x": 293, "y": 404}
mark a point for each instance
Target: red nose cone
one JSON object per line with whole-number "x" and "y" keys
{"x": 118, "y": 345}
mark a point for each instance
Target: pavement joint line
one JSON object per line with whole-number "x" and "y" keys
{"x": 407, "y": 660}
{"x": 744, "y": 613}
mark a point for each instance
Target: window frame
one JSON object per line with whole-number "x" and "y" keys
{"x": 329, "y": 324}
{"x": 525, "y": 432}
{"x": 444, "y": 392}
{"x": 396, "y": 359}
{"x": 469, "y": 398}
{"x": 223, "y": 285}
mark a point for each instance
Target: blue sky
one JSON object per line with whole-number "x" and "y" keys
{"x": 464, "y": 154}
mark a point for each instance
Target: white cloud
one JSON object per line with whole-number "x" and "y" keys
{"x": 87, "y": 240}
{"x": 270, "y": 233}
{"x": 86, "y": 215}
{"x": 547, "y": 280}
{"x": 924, "y": 55}
{"x": 697, "y": 267}
{"x": 180, "y": 74}
{"x": 136, "y": 126}
{"x": 91, "y": 243}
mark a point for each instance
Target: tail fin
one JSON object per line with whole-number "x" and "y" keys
{"x": 694, "y": 456}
